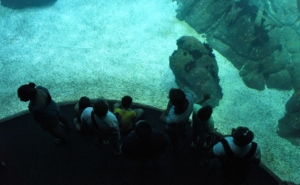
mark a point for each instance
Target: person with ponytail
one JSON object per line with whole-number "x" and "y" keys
{"x": 44, "y": 109}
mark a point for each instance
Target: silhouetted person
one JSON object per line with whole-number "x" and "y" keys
{"x": 128, "y": 116}
{"x": 104, "y": 124}
{"x": 203, "y": 124}
{"x": 44, "y": 109}
{"x": 83, "y": 103}
{"x": 177, "y": 114}
{"x": 144, "y": 144}
{"x": 236, "y": 154}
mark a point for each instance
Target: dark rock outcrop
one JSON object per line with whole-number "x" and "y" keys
{"x": 195, "y": 68}
{"x": 260, "y": 37}
{"x": 20, "y": 4}
{"x": 289, "y": 125}
{"x": 255, "y": 41}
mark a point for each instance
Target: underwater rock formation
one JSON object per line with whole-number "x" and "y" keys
{"x": 196, "y": 69}
{"x": 289, "y": 125}
{"x": 250, "y": 37}
{"x": 19, "y": 4}
{"x": 260, "y": 37}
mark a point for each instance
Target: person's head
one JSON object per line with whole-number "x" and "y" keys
{"x": 27, "y": 92}
{"x": 84, "y": 102}
{"x": 126, "y": 102}
{"x": 242, "y": 136}
{"x": 205, "y": 113}
{"x": 177, "y": 97}
{"x": 143, "y": 130}
{"x": 100, "y": 108}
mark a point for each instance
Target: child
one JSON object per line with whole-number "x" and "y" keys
{"x": 128, "y": 116}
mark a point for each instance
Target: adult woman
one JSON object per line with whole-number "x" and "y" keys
{"x": 44, "y": 110}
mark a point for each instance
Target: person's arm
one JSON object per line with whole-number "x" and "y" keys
{"x": 117, "y": 105}
{"x": 84, "y": 117}
{"x": 163, "y": 117}
{"x": 86, "y": 120}
{"x": 134, "y": 115}
{"x": 257, "y": 156}
{"x": 217, "y": 150}
{"x": 165, "y": 113}
{"x": 205, "y": 97}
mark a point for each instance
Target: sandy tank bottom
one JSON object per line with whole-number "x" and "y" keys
{"x": 119, "y": 48}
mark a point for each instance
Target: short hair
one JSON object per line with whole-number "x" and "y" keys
{"x": 84, "y": 102}
{"x": 27, "y": 92}
{"x": 126, "y": 102}
{"x": 177, "y": 97}
{"x": 205, "y": 113}
{"x": 100, "y": 108}
{"x": 143, "y": 130}
{"x": 242, "y": 136}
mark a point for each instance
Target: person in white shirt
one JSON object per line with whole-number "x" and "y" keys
{"x": 236, "y": 154}
{"x": 104, "y": 123}
{"x": 176, "y": 116}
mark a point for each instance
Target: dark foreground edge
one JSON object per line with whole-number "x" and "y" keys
{"x": 32, "y": 157}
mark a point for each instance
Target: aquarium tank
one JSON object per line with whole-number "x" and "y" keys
{"x": 244, "y": 53}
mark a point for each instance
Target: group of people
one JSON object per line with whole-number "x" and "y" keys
{"x": 107, "y": 126}
{"x": 141, "y": 142}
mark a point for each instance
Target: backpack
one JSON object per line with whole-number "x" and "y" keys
{"x": 236, "y": 169}
{"x": 232, "y": 162}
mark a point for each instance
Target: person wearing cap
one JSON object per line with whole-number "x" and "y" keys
{"x": 236, "y": 153}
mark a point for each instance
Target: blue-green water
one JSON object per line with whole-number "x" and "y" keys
{"x": 114, "y": 48}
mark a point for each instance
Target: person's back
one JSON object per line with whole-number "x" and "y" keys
{"x": 236, "y": 153}
{"x": 44, "y": 110}
{"x": 104, "y": 123}
{"x": 43, "y": 106}
{"x": 84, "y": 102}
{"x": 107, "y": 123}
{"x": 177, "y": 114}
{"x": 128, "y": 116}
{"x": 144, "y": 144}
{"x": 100, "y": 118}
{"x": 202, "y": 125}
